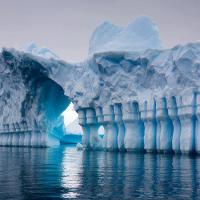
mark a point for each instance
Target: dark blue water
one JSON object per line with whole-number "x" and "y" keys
{"x": 65, "y": 173}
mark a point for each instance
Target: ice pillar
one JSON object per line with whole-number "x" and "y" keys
{"x": 120, "y": 126}
{"x": 148, "y": 115}
{"x": 14, "y": 135}
{"x": 165, "y": 132}
{"x": 18, "y": 135}
{"x": 91, "y": 121}
{"x": 100, "y": 119}
{"x": 4, "y": 137}
{"x": 134, "y": 130}
{"x": 85, "y": 128}
{"x": 197, "y": 135}
{"x": 26, "y": 134}
{"x": 110, "y": 128}
{"x": 35, "y": 134}
{"x": 22, "y": 135}
{"x": 186, "y": 112}
{"x": 173, "y": 114}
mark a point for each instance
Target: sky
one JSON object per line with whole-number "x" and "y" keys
{"x": 65, "y": 26}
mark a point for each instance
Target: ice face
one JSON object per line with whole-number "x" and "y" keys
{"x": 139, "y": 35}
{"x": 30, "y": 99}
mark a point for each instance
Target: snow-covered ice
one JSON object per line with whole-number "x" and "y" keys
{"x": 139, "y": 35}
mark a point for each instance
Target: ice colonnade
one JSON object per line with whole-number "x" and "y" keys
{"x": 168, "y": 124}
{"x": 23, "y": 134}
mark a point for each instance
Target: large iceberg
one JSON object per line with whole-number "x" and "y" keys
{"x": 146, "y": 98}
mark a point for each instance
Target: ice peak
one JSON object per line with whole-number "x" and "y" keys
{"x": 44, "y": 52}
{"x": 138, "y": 35}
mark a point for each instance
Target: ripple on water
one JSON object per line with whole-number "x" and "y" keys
{"x": 64, "y": 173}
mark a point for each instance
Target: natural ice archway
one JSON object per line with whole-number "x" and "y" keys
{"x": 31, "y": 101}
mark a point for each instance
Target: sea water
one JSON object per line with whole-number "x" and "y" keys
{"x": 65, "y": 173}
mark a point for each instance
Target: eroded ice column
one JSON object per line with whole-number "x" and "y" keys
{"x": 165, "y": 132}
{"x": 197, "y": 135}
{"x": 186, "y": 112}
{"x": 35, "y": 134}
{"x": 134, "y": 129}
{"x": 110, "y": 128}
{"x": 100, "y": 119}
{"x": 10, "y": 135}
{"x": 26, "y": 133}
{"x": 120, "y": 126}
{"x": 6, "y": 135}
{"x": 85, "y": 129}
{"x": 44, "y": 135}
{"x": 17, "y": 129}
{"x": 14, "y": 135}
{"x": 148, "y": 115}
{"x": 91, "y": 121}
{"x": 21, "y": 133}
{"x": 173, "y": 114}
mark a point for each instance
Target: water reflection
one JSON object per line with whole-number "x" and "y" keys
{"x": 64, "y": 173}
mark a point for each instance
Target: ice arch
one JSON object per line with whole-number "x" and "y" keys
{"x": 31, "y": 101}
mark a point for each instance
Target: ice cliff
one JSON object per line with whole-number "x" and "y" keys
{"x": 115, "y": 77}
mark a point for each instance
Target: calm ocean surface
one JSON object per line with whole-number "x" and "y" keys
{"x": 65, "y": 173}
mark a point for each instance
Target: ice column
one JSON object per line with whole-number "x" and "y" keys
{"x": 26, "y": 134}
{"x": 164, "y": 136}
{"x": 120, "y": 126}
{"x": 6, "y": 135}
{"x": 93, "y": 127}
{"x": 100, "y": 119}
{"x": 85, "y": 128}
{"x": 186, "y": 112}
{"x": 148, "y": 115}
{"x": 22, "y": 134}
{"x": 173, "y": 114}
{"x": 9, "y": 135}
{"x": 197, "y": 135}
{"x": 14, "y": 135}
{"x": 18, "y": 135}
{"x": 35, "y": 135}
{"x": 110, "y": 128}
{"x": 43, "y": 135}
{"x": 134, "y": 129}
{"x": 99, "y": 115}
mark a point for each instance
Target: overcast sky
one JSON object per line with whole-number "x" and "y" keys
{"x": 65, "y": 26}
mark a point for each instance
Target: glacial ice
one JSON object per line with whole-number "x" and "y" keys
{"x": 44, "y": 52}
{"x": 30, "y": 101}
{"x": 146, "y": 99}
{"x": 139, "y": 35}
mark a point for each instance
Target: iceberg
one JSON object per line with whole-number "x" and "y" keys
{"x": 146, "y": 98}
